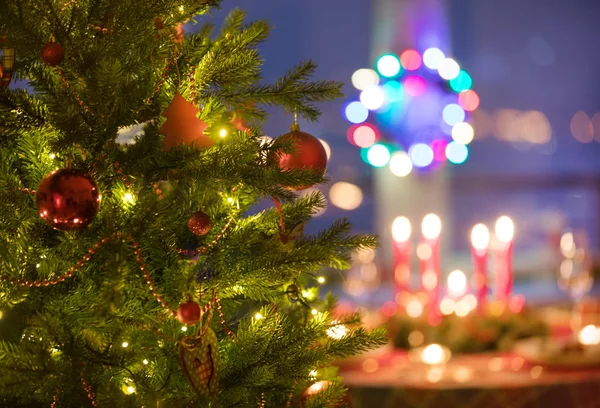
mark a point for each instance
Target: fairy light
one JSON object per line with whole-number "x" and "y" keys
{"x": 258, "y": 316}
{"x": 321, "y": 279}
{"x": 184, "y": 329}
{"x": 313, "y": 374}
{"x": 230, "y": 200}
{"x": 130, "y": 390}
{"x": 145, "y": 362}
{"x": 52, "y": 156}
{"x": 181, "y": 8}
{"x": 338, "y": 331}
{"x": 125, "y": 344}
{"x": 314, "y": 312}
{"x": 37, "y": 265}
{"x": 223, "y": 133}
{"x": 128, "y": 199}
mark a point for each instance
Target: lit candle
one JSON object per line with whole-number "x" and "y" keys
{"x": 431, "y": 228}
{"x": 480, "y": 241}
{"x": 505, "y": 230}
{"x": 401, "y": 231}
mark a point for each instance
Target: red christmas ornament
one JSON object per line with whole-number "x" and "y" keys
{"x": 308, "y": 153}
{"x": 317, "y": 388}
{"x": 188, "y": 312}
{"x": 199, "y": 223}
{"x": 68, "y": 199}
{"x": 52, "y": 53}
{"x": 7, "y": 61}
{"x": 183, "y": 126}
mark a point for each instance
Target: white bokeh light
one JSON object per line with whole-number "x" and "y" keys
{"x": 373, "y": 97}
{"x": 346, "y": 196}
{"x": 364, "y": 78}
{"x": 400, "y": 164}
{"x": 448, "y": 69}
{"x": 432, "y": 57}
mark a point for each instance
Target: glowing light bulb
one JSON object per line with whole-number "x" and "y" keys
{"x": 589, "y": 335}
{"x": 52, "y": 156}
{"x": 457, "y": 283}
{"x": 130, "y": 390}
{"x": 414, "y": 308}
{"x": 400, "y": 164}
{"x": 373, "y": 97}
{"x": 230, "y": 200}
{"x": 145, "y": 362}
{"x": 378, "y": 155}
{"x": 480, "y": 237}
{"x": 338, "y": 331}
{"x": 431, "y": 227}
{"x": 435, "y": 354}
{"x": 432, "y": 57}
{"x": 346, "y": 196}
{"x": 364, "y": 136}
{"x": 128, "y": 198}
{"x": 388, "y": 65}
{"x": 505, "y": 229}
{"x": 356, "y": 112}
{"x": 364, "y": 78}
{"x": 258, "y": 316}
{"x": 457, "y": 153}
{"x": 314, "y": 312}
{"x": 321, "y": 279}
{"x": 463, "y": 133}
{"x": 313, "y": 374}
{"x": 453, "y": 114}
{"x": 223, "y": 133}
{"x": 448, "y": 69}
{"x": 125, "y": 344}
{"x": 421, "y": 155}
{"x": 401, "y": 229}
{"x": 184, "y": 329}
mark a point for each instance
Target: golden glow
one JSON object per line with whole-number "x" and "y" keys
{"x": 414, "y": 308}
{"x": 370, "y": 365}
{"x": 424, "y": 251}
{"x": 346, "y": 196}
{"x": 321, "y": 279}
{"x": 416, "y": 338}
{"x": 480, "y": 237}
{"x": 435, "y": 354}
{"x": 401, "y": 229}
{"x": 52, "y": 156}
{"x": 505, "y": 229}
{"x": 434, "y": 374}
{"x": 337, "y": 331}
{"x": 430, "y": 279}
{"x": 536, "y": 372}
{"x": 431, "y": 227}
{"x": 128, "y": 199}
{"x": 130, "y": 390}
{"x": 447, "y": 306}
{"x": 125, "y": 344}
{"x": 457, "y": 283}
{"x": 313, "y": 374}
{"x": 567, "y": 245}
{"x": 223, "y": 133}
{"x": 258, "y": 316}
{"x": 462, "y": 308}
{"x": 589, "y": 335}
{"x": 145, "y": 362}
{"x": 463, "y": 374}
{"x": 184, "y": 329}
{"x": 314, "y": 312}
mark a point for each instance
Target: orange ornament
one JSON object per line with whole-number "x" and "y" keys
{"x": 183, "y": 126}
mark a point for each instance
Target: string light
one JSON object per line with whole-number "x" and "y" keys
{"x": 130, "y": 390}
{"x": 314, "y": 312}
{"x": 128, "y": 199}
{"x": 258, "y": 316}
{"x": 313, "y": 374}
{"x": 184, "y": 329}
{"x": 125, "y": 344}
{"x": 223, "y": 133}
{"x": 52, "y": 156}
{"x": 145, "y": 362}
{"x": 321, "y": 279}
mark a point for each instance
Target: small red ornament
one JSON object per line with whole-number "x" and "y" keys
{"x": 52, "y": 53}
{"x": 309, "y": 153}
{"x": 199, "y": 223}
{"x": 183, "y": 126}
{"x": 7, "y": 61}
{"x": 188, "y": 312}
{"x": 68, "y": 199}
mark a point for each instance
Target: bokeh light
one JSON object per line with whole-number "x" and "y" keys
{"x": 364, "y": 78}
{"x": 410, "y": 60}
{"x": 453, "y": 114}
{"x": 372, "y": 97}
{"x": 400, "y": 164}
{"x": 462, "y": 82}
{"x": 346, "y": 196}
{"x": 439, "y": 150}
{"x": 582, "y": 127}
{"x": 457, "y": 153}
{"x": 364, "y": 135}
{"x": 432, "y": 57}
{"x": 326, "y": 147}
{"x": 414, "y": 85}
{"x": 463, "y": 133}
{"x": 421, "y": 155}
{"x": 394, "y": 91}
{"x": 388, "y": 65}
{"x": 469, "y": 100}
{"x": 448, "y": 69}
{"x": 378, "y": 155}
{"x": 356, "y": 112}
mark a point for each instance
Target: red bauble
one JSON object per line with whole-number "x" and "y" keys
{"x": 52, "y": 53}
{"x": 188, "y": 312}
{"x": 308, "y": 153}
{"x": 68, "y": 199}
{"x": 199, "y": 223}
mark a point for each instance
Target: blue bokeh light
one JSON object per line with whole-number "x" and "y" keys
{"x": 457, "y": 153}
{"x": 356, "y": 112}
{"x": 453, "y": 114}
{"x": 421, "y": 155}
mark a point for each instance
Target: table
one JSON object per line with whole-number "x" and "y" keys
{"x": 391, "y": 380}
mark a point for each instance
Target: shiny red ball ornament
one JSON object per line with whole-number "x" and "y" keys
{"x": 199, "y": 223}
{"x": 188, "y": 312}
{"x": 68, "y": 199}
{"x": 52, "y": 53}
{"x": 308, "y": 153}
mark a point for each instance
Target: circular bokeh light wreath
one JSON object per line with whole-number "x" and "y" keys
{"x": 412, "y": 112}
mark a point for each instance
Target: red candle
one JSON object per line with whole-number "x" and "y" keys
{"x": 505, "y": 230}
{"x": 431, "y": 227}
{"x": 401, "y": 231}
{"x": 480, "y": 241}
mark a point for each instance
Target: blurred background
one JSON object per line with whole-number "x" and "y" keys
{"x": 535, "y": 153}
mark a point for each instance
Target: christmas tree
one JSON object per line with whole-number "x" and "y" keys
{"x": 139, "y": 274}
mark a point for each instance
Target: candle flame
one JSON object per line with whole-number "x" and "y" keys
{"x": 401, "y": 229}
{"x": 431, "y": 227}
{"x": 480, "y": 237}
{"x": 505, "y": 229}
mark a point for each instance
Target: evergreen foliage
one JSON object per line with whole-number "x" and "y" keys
{"x": 52, "y": 336}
